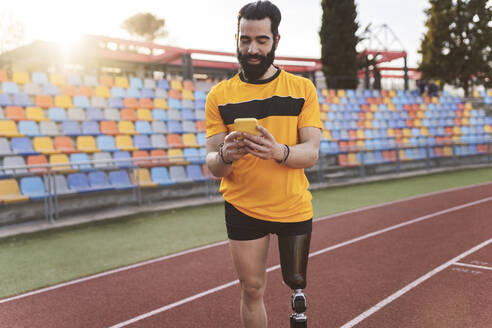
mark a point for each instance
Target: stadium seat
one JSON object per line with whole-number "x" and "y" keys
{"x": 163, "y": 84}
{"x": 174, "y": 141}
{"x": 22, "y": 99}
{"x": 87, "y": 144}
{"x": 35, "y": 114}
{"x": 67, "y": 90}
{"x": 115, "y": 102}
{"x": 124, "y": 142}
{"x": 44, "y": 101}
{"x": 176, "y": 156}
{"x": 63, "y": 101}
{"x": 192, "y": 155}
{"x": 133, "y": 93}
{"x": 144, "y": 115}
{"x": 5, "y": 100}
{"x": 178, "y": 174}
{"x": 10, "y": 87}
{"x": 160, "y": 93}
{"x": 159, "y": 161}
{"x": 74, "y": 79}
{"x": 15, "y": 113}
{"x": 112, "y": 114}
{"x": 158, "y": 141}
{"x": 44, "y": 145}
{"x": 58, "y": 79}
{"x": 142, "y": 142}
{"x": 60, "y": 162}
{"x": 98, "y": 181}
{"x": 64, "y": 144}
{"x": 83, "y": 91}
{"x": 143, "y": 127}
{"x": 28, "y": 128}
{"x": 10, "y": 193}
{"x": 50, "y": 90}
{"x": 122, "y": 159}
{"x": 79, "y": 161}
{"x": 136, "y": 82}
{"x": 78, "y": 182}
{"x": 160, "y": 175}
{"x": 5, "y": 147}
{"x": 94, "y": 114}
{"x": 120, "y": 180}
{"x": 106, "y": 80}
{"x": 57, "y": 114}
{"x": 147, "y": 101}
{"x": 160, "y": 103}
{"x": 188, "y": 126}
{"x": 76, "y": 114}
{"x": 71, "y": 128}
{"x": 58, "y": 184}
{"x": 117, "y": 92}
{"x": 22, "y": 146}
{"x": 176, "y": 85}
{"x": 149, "y": 84}
{"x": 143, "y": 177}
{"x": 40, "y": 160}
{"x": 141, "y": 158}
{"x": 189, "y": 140}
{"x": 109, "y": 128}
{"x": 130, "y": 103}
{"x": 128, "y": 114}
{"x": 106, "y": 143}
{"x": 33, "y": 187}
{"x": 14, "y": 161}
{"x": 121, "y": 81}
{"x": 102, "y": 159}
{"x": 3, "y": 76}
{"x": 81, "y": 102}
{"x": 90, "y": 128}
{"x": 102, "y": 91}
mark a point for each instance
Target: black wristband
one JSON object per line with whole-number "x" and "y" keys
{"x": 286, "y": 155}
{"x": 221, "y": 155}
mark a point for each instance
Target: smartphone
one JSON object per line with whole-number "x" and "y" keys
{"x": 246, "y": 125}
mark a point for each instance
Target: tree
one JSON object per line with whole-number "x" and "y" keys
{"x": 338, "y": 42}
{"x": 457, "y": 45}
{"x": 146, "y": 26}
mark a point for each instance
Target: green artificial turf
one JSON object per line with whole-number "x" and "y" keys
{"x": 41, "y": 259}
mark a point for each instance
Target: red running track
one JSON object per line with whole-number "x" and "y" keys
{"x": 420, "y": 262}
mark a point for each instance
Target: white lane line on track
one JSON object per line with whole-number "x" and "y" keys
{"x": 473, "y": 266}
{"x": 322, "y": 251}
{"x": 163, "y": 258}
{"x": 412, "y": 285}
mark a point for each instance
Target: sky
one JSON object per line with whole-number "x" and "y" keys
{"x": 211, "y": 25}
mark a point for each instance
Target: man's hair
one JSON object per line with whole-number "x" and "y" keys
{"x": 259, "y": 10}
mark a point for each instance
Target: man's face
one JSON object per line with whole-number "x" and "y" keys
{"x": 255, "y": 47}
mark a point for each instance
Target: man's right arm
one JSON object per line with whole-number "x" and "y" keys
{"x": 232, "y": 150}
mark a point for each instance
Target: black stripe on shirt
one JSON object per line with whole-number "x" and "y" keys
{"x": 274, "y": 106}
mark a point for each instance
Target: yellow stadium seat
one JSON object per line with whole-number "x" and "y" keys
{"x": 391, "y": 107}
{"x": 417, "y": 123}
{"x": 456, "y": 139}
{"x": 35, "y": 114}
{"x": 407, "y": 132}
{"x": 189, "y": 140}
{"x": 489, "y": 93}
{"x": 144, "y": 114}
{"x": 324, "y": 92}
{"x": 392, "y": 93}
{"x": 10, "y": 192}
{"x": 144, "y": 179}
{"x": 448, "y": 151}
{"x": 60, "y": 159}
{"x": 368, "y": 124}
{"x": 467, "y": 113}
{"x": 87, "y": 144}
{"x": 360, "y": 144}
{"x": 63, "y": 101}
{"x": 468, "y": 106}
{"x": 44, "y": 145}
{"x": 402, "y": 155}
{"x": 341, "y": 93}
{"x": 369, "y": 115}
{"x": 390, "y": 132}
{"x": 406, "y": 141}
{"x": 387, "y": 100}
{"x": 360, "y": 134}
{"x": 424, "y": 131}
{"x": 420, "y": 114}
{"x": 323, "y": 116}
{"x": 187, "y": 94}
{"x": 124, "y": 142}
{"x": 160, "y": 103}
{"x": 456, "y": 130}
{"x": 352, "y": 159}
{"x": 476, "y": 94}
{"x": 126, "y": 127}
{"x": 335, "y": 100}
{"x": 57, "y": 79}
{"x": 176, "y": 85}
{"x": 102, "y": 91}
{"x": 435, "y": 100}
{"x": 8, "y": 128}
{"x": 325, "y": 107}
{"x": 121, "y": 81}
{"x": 326, "y": 135}
{"x": 175, "y": 156}
{"x": 465, "y": 121}
{"x": 21, "y": 77}
{"x": 487, "y": 128}
{"x": 423, "y": 106}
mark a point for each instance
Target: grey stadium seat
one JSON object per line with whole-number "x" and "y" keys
{"x": 159, "y": 127}
{"x": 49, "y": 128}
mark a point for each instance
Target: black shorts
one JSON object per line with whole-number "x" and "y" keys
{"x": 243, "y": 227}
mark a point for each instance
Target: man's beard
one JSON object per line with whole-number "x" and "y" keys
{"x": 253, "y": 72}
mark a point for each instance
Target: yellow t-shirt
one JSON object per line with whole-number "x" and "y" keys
{"x": 282, "y": 104}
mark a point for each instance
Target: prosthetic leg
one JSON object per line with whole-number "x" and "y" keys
{"x": 294, "y": 252}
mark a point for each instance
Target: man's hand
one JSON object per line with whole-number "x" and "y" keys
{"x": 263, "y": 146}
{"x": 233, "y": 149}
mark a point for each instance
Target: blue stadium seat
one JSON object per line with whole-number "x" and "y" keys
{"x": 147, "y": 93}
{"x": 78, "y": 182}
{"x": 133, "y": 93}
{"x": 200, "y": 95}
{"x": 192, "y": 155}
{"x": 159, "y": 114}
{"x": 33, "y": 187}
{"x": 39, "y": 78}
{"x": 136, "y": 83}
{"x": 174, "y": 127}
{"x": 21, "y": 99}
{"x": 122, "y": 159}
{"x": 120, "y": 180}
{"x": 117, "y": 92}
{"x": 57, "y": 114}
{"x": 106, "y": 143}
{"x": 143, "y": 127}
{"x": 163, "y": 84}
{"x": 174, "y": 103}
{"x": 200, "y": 104}
{"x": 81, "y": 102}
{"x": 22, "y": 146}
{"x": 74, "y": 79}
{"x": 195, "y": 172}
{"x": 50, "y": 90}
{"x": 99, "y": 181}
{"x": 78, "y": 158}
{"x": 28, "y": 128}
{"x": 142, "y": 142}
{"x": 160, "y": 175}
{"x": 10, "y": 87}
{"x": 90, "y": 128}
{"x": 115, "y": 102}
{"x": 71, "y": 128}
{"x": 5, "y": 100}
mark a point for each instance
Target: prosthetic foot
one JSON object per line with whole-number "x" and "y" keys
{"x": 294, "y": 253}
{"x": 298, "y": 319}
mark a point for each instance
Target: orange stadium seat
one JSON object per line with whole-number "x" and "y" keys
{"x": 37, "y": 160}
{"x": 140, "y": 158}
{"x": 44, "y": 101}
{"x": 83, "y": 90}
{"x": 106, "y": 81}
{"x": 174, "y": 94}
{"x": 109, "y": 128}
{"x": 15, "y": 113}
{"x": 3, "y": 76}
{"x": 201, "y": 126}
{"x": 145, "y": 103}
{"x": 64, "y": 144}
{"x": 68, "y": 90}
{"x": 130, "y": 103}
{"x": 159, "y": 153}
{"x": 128, "y": 114}
{"x": 174, "y": 141}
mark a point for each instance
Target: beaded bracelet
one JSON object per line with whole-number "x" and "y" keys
{"x": 221, "y": 155}
{"x": 286, "y": 155}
